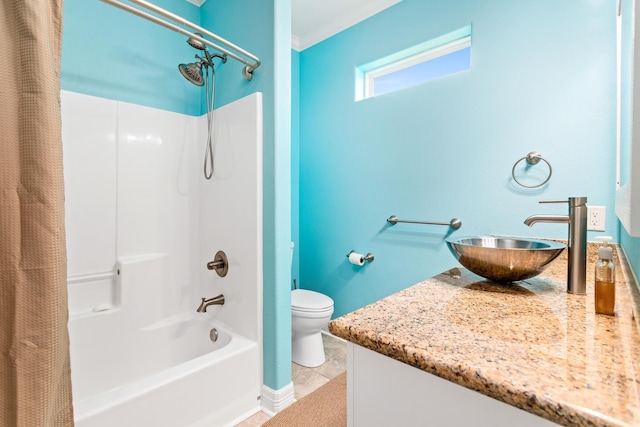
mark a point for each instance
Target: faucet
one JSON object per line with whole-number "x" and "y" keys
{"x": 577, "y": 244}
{"x": 219, "y": 300}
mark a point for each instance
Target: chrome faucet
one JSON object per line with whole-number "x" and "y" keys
{"x": 577, "y": 245}
{"x": 219, "y": 300}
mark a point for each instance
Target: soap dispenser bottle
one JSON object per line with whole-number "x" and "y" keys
{"x": 605, "y": 278}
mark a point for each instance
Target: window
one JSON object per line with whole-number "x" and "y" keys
{"x": 439, "y": 57}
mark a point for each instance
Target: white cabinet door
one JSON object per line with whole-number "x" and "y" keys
{"x": 384, "y": 392}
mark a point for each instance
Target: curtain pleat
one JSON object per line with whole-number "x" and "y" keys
{"x": 35, "y": 381}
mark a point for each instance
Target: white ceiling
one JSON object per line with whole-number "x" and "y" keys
{"x": 315, "y": 20}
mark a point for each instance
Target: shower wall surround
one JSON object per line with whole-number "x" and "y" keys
{"x": 135, "y": 187}
{"x": 131, "y": 178}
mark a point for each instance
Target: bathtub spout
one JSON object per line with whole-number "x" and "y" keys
{"x": 219, "y": 300}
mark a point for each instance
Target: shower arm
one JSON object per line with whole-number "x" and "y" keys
{"x": 250, "y": 65}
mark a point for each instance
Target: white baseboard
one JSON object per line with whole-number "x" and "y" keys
{"x": 335, "y": 337}
{"x": 274, "y": 401}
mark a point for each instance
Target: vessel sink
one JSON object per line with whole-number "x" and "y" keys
{"x": 504, "y": 259}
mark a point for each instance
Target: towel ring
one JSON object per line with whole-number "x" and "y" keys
{"x": 533, "y": 158}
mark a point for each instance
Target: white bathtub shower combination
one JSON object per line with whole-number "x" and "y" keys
{"x": 142, "y": 222}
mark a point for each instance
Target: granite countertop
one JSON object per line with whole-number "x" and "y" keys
{"x": 530, "y": 344}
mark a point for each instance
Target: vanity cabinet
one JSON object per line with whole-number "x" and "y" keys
{"x": 383, "y": 392}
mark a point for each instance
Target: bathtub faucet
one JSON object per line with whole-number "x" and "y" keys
{"x": 219, "y": 300}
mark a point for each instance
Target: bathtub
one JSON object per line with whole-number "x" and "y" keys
{"x": 167, "y": 374}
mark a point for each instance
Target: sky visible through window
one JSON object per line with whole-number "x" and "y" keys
{"x": 423, "y": 72}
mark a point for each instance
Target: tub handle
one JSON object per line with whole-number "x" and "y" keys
{"x": 220, "y": 264}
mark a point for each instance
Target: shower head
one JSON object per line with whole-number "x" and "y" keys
{"x": 197, "y": 44}
{"x": 192, "y": 72}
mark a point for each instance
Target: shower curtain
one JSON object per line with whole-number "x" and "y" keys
{"x": 35, "y": 383}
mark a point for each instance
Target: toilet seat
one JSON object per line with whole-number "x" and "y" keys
{"x": 304, "y": 301}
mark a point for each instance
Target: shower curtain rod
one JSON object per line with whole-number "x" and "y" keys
{"x": 250, "y": 64}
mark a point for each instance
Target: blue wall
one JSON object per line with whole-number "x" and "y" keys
{"x": 112, "y": 54}
{"x": 542, "y": 78}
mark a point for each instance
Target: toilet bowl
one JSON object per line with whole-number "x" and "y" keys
{"x": 310, "y": 312}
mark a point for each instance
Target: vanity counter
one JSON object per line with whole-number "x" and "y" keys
{"x": 531, "y": 344}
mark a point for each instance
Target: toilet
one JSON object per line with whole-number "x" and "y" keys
{"x": 310, "y": 312}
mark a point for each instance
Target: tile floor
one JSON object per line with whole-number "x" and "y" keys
{"x": 306, "y": 380}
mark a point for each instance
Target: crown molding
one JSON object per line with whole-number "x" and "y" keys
{"x": 346, "y": 19}
{"x": 295, "y": 42}
{"x": 197, "y": 2}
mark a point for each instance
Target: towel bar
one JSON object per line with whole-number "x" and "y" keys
{"x": 455, "y": 223}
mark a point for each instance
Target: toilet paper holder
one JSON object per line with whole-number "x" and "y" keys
{"x": 368, "y": 257}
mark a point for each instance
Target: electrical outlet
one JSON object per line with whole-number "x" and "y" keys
{"x": 596, "y": 218}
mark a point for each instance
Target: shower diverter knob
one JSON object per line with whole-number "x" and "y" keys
{"x": 220, "y": 264}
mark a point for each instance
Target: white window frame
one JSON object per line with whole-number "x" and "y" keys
{"x": 432, "y": 49}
